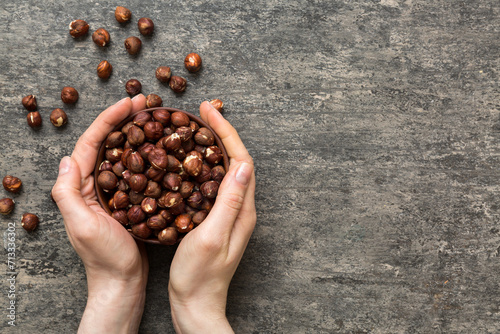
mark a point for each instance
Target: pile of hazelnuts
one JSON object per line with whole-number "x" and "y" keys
{"x": 13, "y": 185}
{"x": 161, "y": 174}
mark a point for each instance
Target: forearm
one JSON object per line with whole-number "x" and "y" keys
{"x": 113, "y": 308}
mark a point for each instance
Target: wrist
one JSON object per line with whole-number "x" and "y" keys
{"x": 113, "y": 306}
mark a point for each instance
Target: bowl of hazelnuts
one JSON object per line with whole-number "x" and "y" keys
{"x": 158, "y": 173}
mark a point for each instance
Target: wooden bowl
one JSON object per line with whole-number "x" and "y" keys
{"x": 103, "y": 198}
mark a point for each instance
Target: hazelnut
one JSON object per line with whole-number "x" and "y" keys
{"x": 188, "y": 145}
{"x": 169, "y": 218}
{"x": 78, "y": 28}
{"x": 180, "y": 154}
{"x": 6, "y": 206}
{"x": 179, "y": 119}
{"x": 217, "y": 174}
{"x": 207, "y": 204}
{"x": 167, "y": 131}
{"x": 135, "y": 136}
{"x": 217, "y": 104}
{"x": 172, "y": 142}
{"x": 29, "y": 222}
{"x": 101, "y": 37}
{"x": 148, "y": 205}
{"x": 178, "y": 84}
{"x": 114, "y": 139}
{"x": 186, "y": 189}
{"x": 155, "y": 174}
{"x": 192, "y": 62}
{"x": 142, "y": 118}
{"x": 135, "y": 197}
{"x": 183, "y": 223}
{"x": 213, "y": 155}
{"x": 145, "y": 149}
{"x": 192, "y": 165}
{"x": 141, "y": 230}
{"x": 146, "y": 26}
{"x": 162, "y": 116}
{"x": 169, "y": 199}
{"x": 172, "y": 181}
{"x": 123, "y": 185}
{"x": 209, "y": 189}
{"x": 153, "y": 130}
{"x": 173, "y": 165}
{"x": 158, "y": 158}
{"x": 138, "y": 182}
{"x": 107, "y": 180}
{"x": 133, "y": 87}
{"x": 29, "y": 102}
{"x": 133, "y": 45}
{"x": 204, "y": 137}
{"x": 195, "y": 199}
{"x": 104, "y": 69}
{"x": 194, "y": 126}
{"x": 126, "y": 127}
{"x": 12, "y": 183}
{"x": 34, "y": 119}
{"x": 135, "y": 163}
{"x": 58, "y": 117}
{"x": 153, "y": 101}
{"x": 126, "y": 175}
{"x": 135, "y": 214}
{"x": 168, "y": 236}
{"x": 189, "y": 210}
{"x": 199, "y": 217}
{"x": 153, "y": 189}
{"x": 122, "y": 14}
{"x": 156, "y": 222}
{"x": 184, "y": 133}
{"x": 120, "y": 216}
{"x": 178, "y": 209}
{"x": 105, "y": 165}
{"x": 120, "y": 200}
{"x": 124, "y": 158}
{"x": 69, "y": 95}
{"x": 200, "y": 149}
{"x": 163, "y": 73}
{"x": 196, "y": 154}
{"x": 113, "y": 154}
{"x": 204, "y": 175}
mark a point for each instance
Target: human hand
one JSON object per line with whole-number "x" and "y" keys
{"x": 116, "y": 265}
{"x": 208, "y": 256}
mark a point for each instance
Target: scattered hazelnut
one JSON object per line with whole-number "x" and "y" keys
{"x": 114, "y": 139}
{"x": 69, "y": 95}
{"x": 209, "y": 189}
{"x": 107, "y": 180}
{"x": 162, "y": 116}
{"x": 218, "y": 173}
{"x": 141, "y": 230}
{"x": 133, "y": 45}
{"x": 138, "y": 182}
{"x": 153, "y": 130}
{"x": 6, "y": 206}
{"x": 122, "y": 14}
{"x": 183, "y": 223}
{"x": 146, "y": 26}
{"x": 34, "y": 119}
{"x": 168, "y": 236}
{"x": 120, "y": 216}
{"x": 179, "y": 119}
{"x": 29, "y": 222}
{"x": 178, "y": 84}
{"x": 78, "y": 28}
{"x": 204, "y": 137}
{"x": 148, "y": 205}
{"x": 133, "y": 87}
{"x": 153, "y": 101}
{"x": 58, "y": 117}
{"x": 104, "y": 69}
{"x": 136, "y": 164}
{"x": 135, "y": 214}
{"x": 156, "y": 222}
{"x": 29, "y": 102}
{"x": 217, "y": 104}
{"x": 101, "y": 37}
{"x": 192, "y": 62}
{"x": 12, "y": 183}
{"x": 135, "y": 136}
{"x": 163, "y": 73}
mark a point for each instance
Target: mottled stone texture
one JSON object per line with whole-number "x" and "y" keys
{"x": 375, "y": 130}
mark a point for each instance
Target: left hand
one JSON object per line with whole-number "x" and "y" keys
{"x": 116, "y": 265}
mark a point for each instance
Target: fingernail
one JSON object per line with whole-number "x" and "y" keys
{"x": 136, "y": 97}
{"x": 244, "y": 173}
{"x": 64, "y": 165}
{"x": 121, "y": 101}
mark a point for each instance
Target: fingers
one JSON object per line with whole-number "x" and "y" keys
{"x": 245, "y": 222}
{"x": 66, "y": 193}
{"x": 230, "y": 199}
{"x": 85, "y": 152}
{"x": 232, "y": 142}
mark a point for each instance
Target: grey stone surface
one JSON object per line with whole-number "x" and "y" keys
{"x": 374, "y": 126}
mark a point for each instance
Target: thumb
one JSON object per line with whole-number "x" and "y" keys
{"x": 230, "y": 197}
{"x": 67, "y": 193}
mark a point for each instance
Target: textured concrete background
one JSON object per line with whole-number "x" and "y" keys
{"x": 375, "y": 130}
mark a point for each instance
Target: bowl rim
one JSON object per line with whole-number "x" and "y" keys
{"x": 101, "y": 196}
